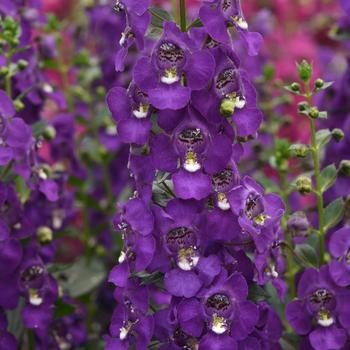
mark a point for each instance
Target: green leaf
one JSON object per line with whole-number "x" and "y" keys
{"x": 22, "y": 189}
{"x": 333, "y": 213}
{"x": 39, "y": 127}
{"x": 257, "y": 293}
{"x": 14, "y": 319}
{"x": 306, "y": 255}
{"x": 323, "y": 136}
{"x": 159, "y": 16}
{"x": 328, "y": 177}
{"x": 63, "y": 309}
{"x": 82, "y": 277}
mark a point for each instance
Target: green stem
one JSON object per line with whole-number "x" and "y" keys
{"x": 183, "y": 24}
{"x": 175, "y": 10}
{"x": 8, "y": 88}
{"x": 318, "y": 191}
{"x": 289, "y": 238}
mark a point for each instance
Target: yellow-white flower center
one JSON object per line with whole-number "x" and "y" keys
{"x": 223, "y": 203}
{"x": 219, "y": 324}
{"x": 141, "y": 112}
{"x": 191, "y": 164}
{"x": 170, "y": 76}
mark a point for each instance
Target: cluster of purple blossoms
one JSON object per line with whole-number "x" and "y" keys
{"x": 33, "y": 202}
{"x": 197, "y": 236}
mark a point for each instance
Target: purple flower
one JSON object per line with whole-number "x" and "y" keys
{"x": 217, "y": 15}
{"x": 339, "y": 247}
{"x": 131, "y": 110}
{"x": 173, "y": 56}
{"x": 258, "y": 212}
{"x": 321, "y": 310}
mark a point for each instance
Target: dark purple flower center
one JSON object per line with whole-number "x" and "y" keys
{"x": 227, "y": 81}
{"x": 184, "y": 340}
{"x": 253, "y": 205}
{"x": 191, "y": 137}
{"x": 222, "y": 180}
{"x": 32, "y": 276}
{"x": 118, "y": 6}
{"x": 219, "y": 302}
{"x": 180, "y": 237}
{"x": 321, "y": 297}
{"x": 226, "y": 4}
{"x": 170, "y": 55}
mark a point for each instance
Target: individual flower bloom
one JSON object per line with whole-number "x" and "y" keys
{"x": 231, "y": 96}
{"x": 258, "y": 212}
{"x": 7, "y": 340}
{"x": 169, "y": 332}
{"x": 130, "y": 324}
{"x": 298, "y": 226}
{"x": 217, "y": 15}
{"x": 137, "y": 20}
{"x": 182, "y": 242}
{"x": 174, "y": 61}
{"x": 321, "y": 310}
{"x": 339, "y": 247}
{"x": 223, "y": 182}
{"x": 270, "y": 266}
{"x": 230, "y": 317}
{"x": 136, "y": 255}
{"x": 267, "y": 332}
{"x": 15, "y": 134}
{"x": 131, "y": 110}
{"x": 200, "y": 154}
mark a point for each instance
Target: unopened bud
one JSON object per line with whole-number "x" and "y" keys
{"x": 3, "y": 71}
{"x": 337, "y": 134}
{"x": 304, "y": 184}
{"x": 45, "y": 234}
{"x": 344, "y": 167}
{"x": 314, "y": 112}
{"x": 49, "y": 132}
{"x": 227, "y": 107}
{"x": 300, "y": 150}
{"x": 22, "y": 64}
{"x": 319, "y": 83}
{"x": 295, "y": 87}
{"x": 19, "y": 105}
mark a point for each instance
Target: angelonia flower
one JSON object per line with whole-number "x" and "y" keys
{"x": 34, "y": 203}
{"x": 197, "y": 235}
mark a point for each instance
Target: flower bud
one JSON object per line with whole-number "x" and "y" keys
{"x": 295, "y": 87}
{"x": 314, "y": 113}
{"x": 304, "y": 184}
{"x": 298, "y": 224}
{"x": 44, "y": 234}
{"x": 22, "y": 64}
{"x": 227, "y": 107}
{"x": 19, "y": 105}
{"x": 319, "y": 83}
{"x": 3, "y": 71}
{"x": 337, "y": 134}
{"x": 49, "y": 132}
{"x": 300, "y": 150}
{"x": 344, "y": 167}
{"x": 304, "y": 70}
